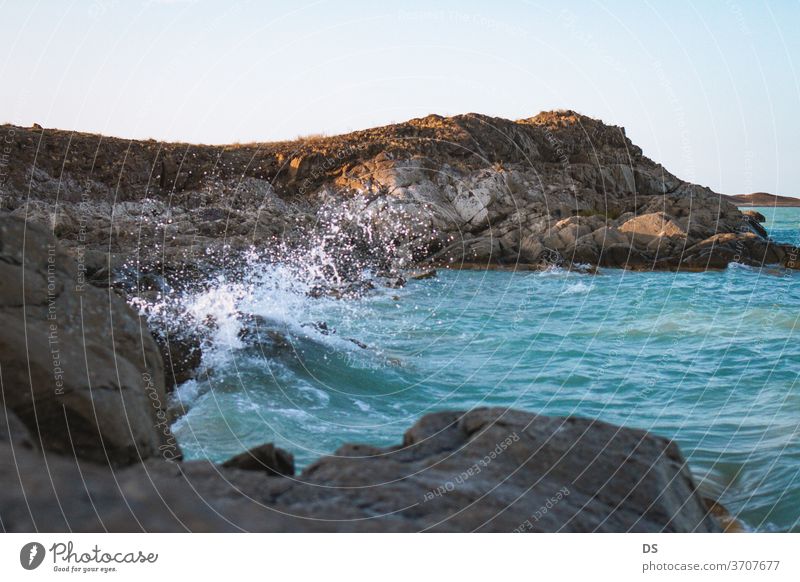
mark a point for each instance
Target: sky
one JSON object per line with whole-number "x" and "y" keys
{"x": 708, "y": 88}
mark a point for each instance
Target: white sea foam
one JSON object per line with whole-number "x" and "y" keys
{"x": 578, "y": 288}
{"x": 289, "y": 289}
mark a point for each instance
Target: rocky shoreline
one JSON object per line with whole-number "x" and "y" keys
{"x": 90, "y": 224}
{"x": 85, "y": 444}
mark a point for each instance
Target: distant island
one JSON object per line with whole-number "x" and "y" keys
{"x": 763, "y": 199}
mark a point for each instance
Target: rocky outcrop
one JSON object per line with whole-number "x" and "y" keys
{"x": 78, "y": 366}
{"x": 44, "y": 491}
{"x": 468, "y": 189}
{"x": 482, "y": 470}
{"x": 755, "y": 214}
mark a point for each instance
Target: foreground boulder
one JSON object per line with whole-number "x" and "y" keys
{"x": 45, "y": 491}
{"x": 483, "y": 470}
{"x": 78, "y": 367}
{"x": 507, "y": 470}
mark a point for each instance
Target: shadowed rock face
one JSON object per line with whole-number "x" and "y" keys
{"x": 468, "y": 189}
{"x": 484, "y": 470}
{"x": 266, "y": 458}
{"x": 78, "y": 367}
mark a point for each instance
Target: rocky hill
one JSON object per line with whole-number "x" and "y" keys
{"x": 763, "y": 199}
{"x": 470, "y": 190}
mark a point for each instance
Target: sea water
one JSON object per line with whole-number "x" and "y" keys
{"x": 708, "y": 359}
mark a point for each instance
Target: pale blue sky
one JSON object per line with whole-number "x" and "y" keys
{"x": 709, "y": 88}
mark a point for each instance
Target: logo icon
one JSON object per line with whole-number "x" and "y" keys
{"x": 31, "y": 555}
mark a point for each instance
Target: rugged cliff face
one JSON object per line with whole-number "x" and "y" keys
{"x": 557, "y": 188}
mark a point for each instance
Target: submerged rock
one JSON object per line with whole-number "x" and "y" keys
{"x": 727, "y": 521}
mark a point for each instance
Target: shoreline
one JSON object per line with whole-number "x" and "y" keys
{"x": 145, "y": 219}
{"x": 266, "y": 473}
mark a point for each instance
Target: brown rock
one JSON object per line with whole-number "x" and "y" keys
{"x": 14, "y": 432}
{"x": 182, "y": 355}
{"x": 78, "y": 367}
{"x": 420, "y": 275}
{"x": 791, "y": 259}
{"x": 486, "y": 190}
{"x": 728, "y": 522}
{"x": 755, "y": 214}
{"x": 715, "y": 252}
{"x": 482, "y": 470}
{"x": 623, "y": 256}
{"x": 266, "y": 458}
{"x": 655, "y": 224}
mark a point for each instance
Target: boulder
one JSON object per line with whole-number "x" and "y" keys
{"x": 487, "y": 470}
{"x": 655, "y": 224}
{"x": 266, "y": 458}
{"x": 585, "y": 251}
{"x": 605, "y": 236}
{"x": 623, "y": 256}
{"x": 79, "y": 368}
{"x": 715, "y": 252}
{"x": 505, "y": 470}
{"x": 56, "y": 493}
{"x": 422, "y": 274}
{"x": 13, "y": 432}
{"x": 791, "y": 259}
{"x": 755, "y": 215}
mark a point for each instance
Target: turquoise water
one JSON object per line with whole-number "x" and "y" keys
{"x": 709, "y": 359}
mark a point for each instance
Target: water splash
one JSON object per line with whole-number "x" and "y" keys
{"x": 281, "y": 293}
